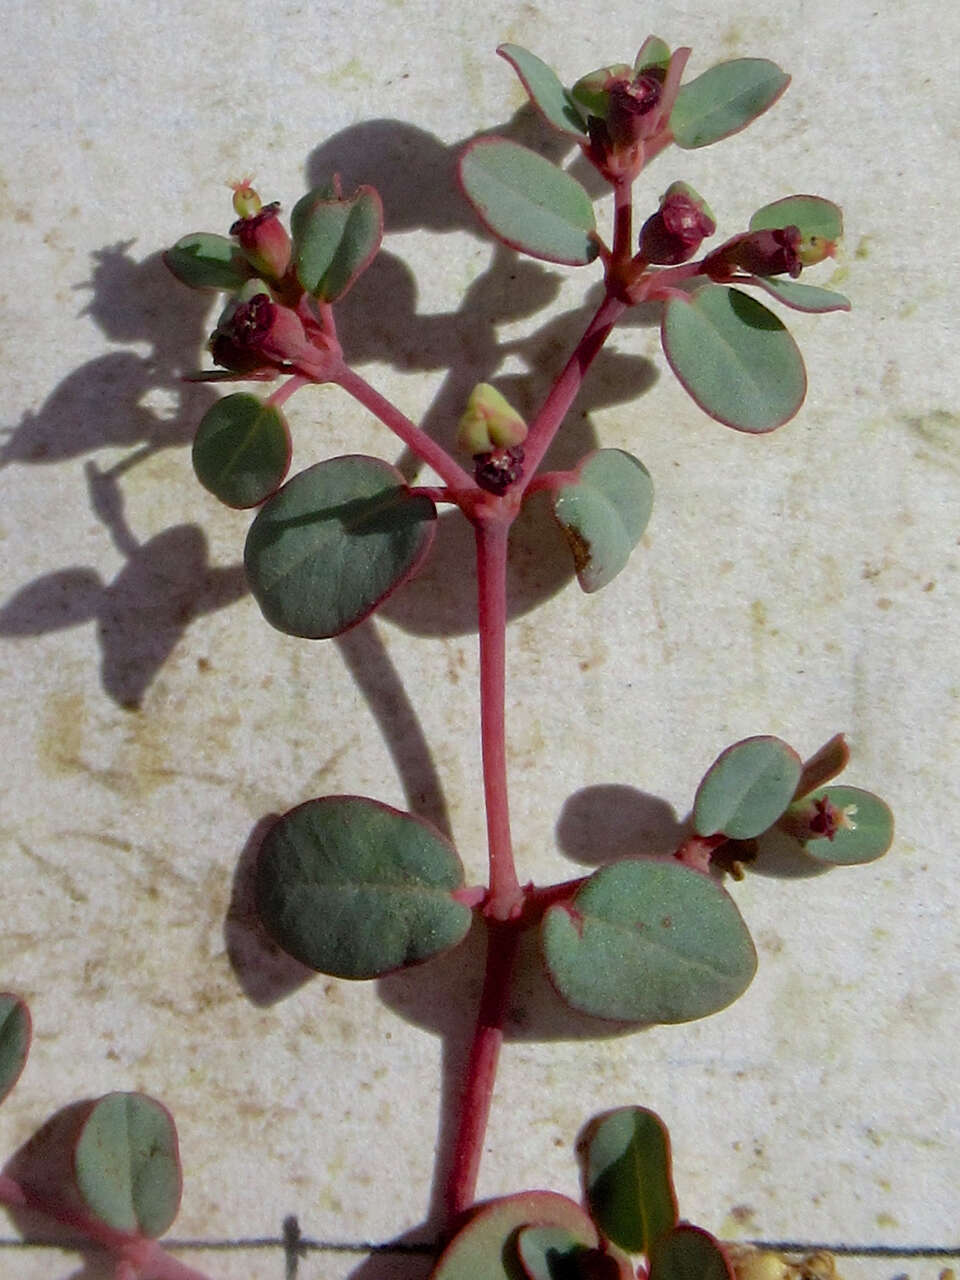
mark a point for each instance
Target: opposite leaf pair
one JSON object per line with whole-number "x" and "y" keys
{"x": 631, "y": 1209}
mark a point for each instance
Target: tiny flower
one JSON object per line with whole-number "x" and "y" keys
{"x": 675, "y": 232}
{"x": 827, "y": 819}
{"x": 814, "y": 249}
{"x": 256, "y": 334}
{"x": 498, "y": 469}
{"x": 246, "y": 201}
{"x": 770, "y": 252}
{"x": 489, "y": 422}
{"x": 264, "y": 240}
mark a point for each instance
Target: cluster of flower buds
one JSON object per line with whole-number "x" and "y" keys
{"x": 628, "y": 107}
{"x": 492, "y": 432}
{"x": 675, "y": 232}
{"x": 256, "y": 336}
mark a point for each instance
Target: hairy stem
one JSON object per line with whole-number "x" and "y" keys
{"x": 427, "y": 450}
{"x": 502, "y": 939}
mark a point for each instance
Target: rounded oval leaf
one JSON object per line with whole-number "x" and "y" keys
{"x": 747, "y": 788}
{"x": 603, "y": 515}
{"x": 545, "y": 90}
{"x": 205, "y": 261}
{"x": 734, "y": 357}
{"x": 554, "y": 1253}
{"x": 241, "y": 451}
{"x": 648, "y": 942}
{"x": 864, "y": 825}
{"x": 486, "y": 1248}
{"x": 356, "y": 889}
{"x": 529, "y": 203}
{"x": 815, "y": 217}
{"x": 653, "y": 55}
{"x": 724, "y": 100}
{"x": 629, "y": 1183}
{"x": 335, "y": 239}
{"x": 803, "y": 297}
{"x": 127, "y": 1165}
{"x": 333, "y": 543}
{"x": 14, "y": 1040}
{"x": 689, "y": 1253}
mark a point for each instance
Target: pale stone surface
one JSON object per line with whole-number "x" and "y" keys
{"x": 797, "y": 584}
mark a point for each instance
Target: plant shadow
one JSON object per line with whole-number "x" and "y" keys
{"x": 44, "y": 1166}
{"x": 139, "y": 401}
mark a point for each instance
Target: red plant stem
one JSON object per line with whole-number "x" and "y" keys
{"x": 504, "y": 900}
{"x": 492, "y": 533}
{"x": 160, "y": 1265}
{"x": 427, "y": 450}
{"x": 136, "y": 1256}
{"x": 282, "y": 394}
{"x": 622, "y": 221}
{"x": 460, "y": 1191}
{"x": 564, "y": 390}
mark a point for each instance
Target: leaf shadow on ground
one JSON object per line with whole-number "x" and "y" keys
{"x": 129, "y": 400}
{"x": 43, "y": 1163}
{"x": 442, "y": 995}
{"x": 139, "y": 401}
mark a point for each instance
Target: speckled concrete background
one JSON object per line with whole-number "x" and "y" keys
{"x": 798, "y": 584}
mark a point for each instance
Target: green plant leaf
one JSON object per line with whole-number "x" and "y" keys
{"x": 486, "y": 1248}
{"x": 127, "y": 1165}
{"x": 724, "y": 100}
{"x": 590, "y": 94}
{"x": 357, "y": 889}
{"x": 333, "y": 543}
{"x": 734, "y": 357}
{"x": 205, "y": 261}
{"x": 554, "y": 1253}
{"x": 803, "y": 297}
{"x": 335, "y": 238}
{"x": 604, "y": 514}
{"x": 14, "y": 1040}
{"x": 629, "y": 1184}
{"x": 654, "y": 53}
{"x": 814, "y": 216}
{"x": 868, "y": 835}
{"x": 823, "y": 766}
{"x": 529, "y": 203}
{"x": 545, "y": 90}
{"x": 688, "y": 1253}
{"x": 746, "y": 789}
{"x": 645, "y": 941}
{"x": 241, "y": 451}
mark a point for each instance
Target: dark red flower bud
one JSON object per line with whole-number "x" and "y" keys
{"x": 632, "y": 115}
{"x": 498, "y": 470}
{"x": 675, "y": 232}
{"x": 265, "y": 242}
{"x": 772, "y": 252}
{"x": 256, "y": 334}
{"x": 237, "y": 359}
